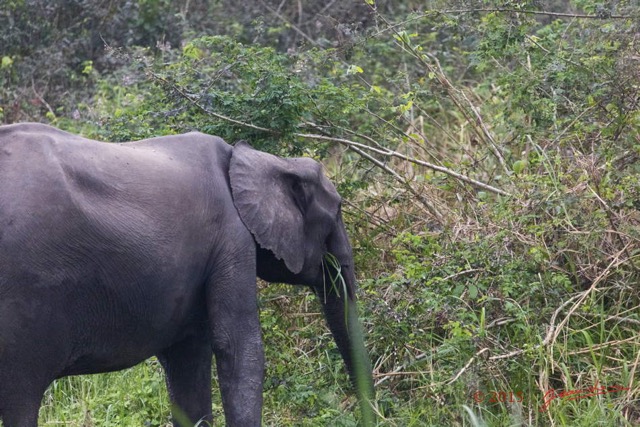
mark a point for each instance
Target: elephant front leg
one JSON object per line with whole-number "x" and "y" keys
{"x": 240, "y": 363}
{"x": 237, "y": 345}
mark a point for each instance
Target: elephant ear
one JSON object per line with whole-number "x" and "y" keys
{"x": 268, "y": 195}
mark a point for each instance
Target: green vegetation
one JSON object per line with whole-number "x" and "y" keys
{"x": 488, "y": 153}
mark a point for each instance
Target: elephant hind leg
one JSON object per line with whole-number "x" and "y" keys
{"x": 24, "y": 376}
{"x": 187, "y": 367}
{"x": 19, "y": 406}
{"x": 26, "y": 416}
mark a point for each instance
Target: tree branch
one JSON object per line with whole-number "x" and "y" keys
{"x": 348, "y": 143}
{"x": 195, "y": 102}
{"x": 457, "y": 96}
{"x": 391, "y": 153}
{"x": 430, "y": 207}
{"x": 538, "y": 12}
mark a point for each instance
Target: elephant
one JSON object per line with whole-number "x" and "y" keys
{"x": 111, "y": 253}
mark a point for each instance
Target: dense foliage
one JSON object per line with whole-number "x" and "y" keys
{"x": 488, "y": 154}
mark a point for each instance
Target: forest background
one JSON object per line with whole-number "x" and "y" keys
{"x": 488, "y": 154}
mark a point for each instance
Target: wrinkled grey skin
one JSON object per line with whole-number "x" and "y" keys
{"x": 113, "y": 253}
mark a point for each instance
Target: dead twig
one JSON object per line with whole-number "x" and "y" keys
{"x": 538, "y": 12}
{"x": 466, "y": 366}
{"x": 430, "y": 207}
{"x": 457, "y": 96}
{"x": 399, "y": 370}
{"x": 391, "y": 153}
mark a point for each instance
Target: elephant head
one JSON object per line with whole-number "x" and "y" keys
{"x": 294, "y": 214}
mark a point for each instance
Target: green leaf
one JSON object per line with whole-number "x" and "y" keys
{"x": 87, "y": 67}
{"x": 354, "y": 69}
{"x": 457, "y": 291}
{"x": 192, "y": 52}
{"x": 519, "y": 166}
{"x": 473, "y": 291}
{"x": 6, "y": 62}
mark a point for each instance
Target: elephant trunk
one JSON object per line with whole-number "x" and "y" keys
{"x": 338, "y": 299}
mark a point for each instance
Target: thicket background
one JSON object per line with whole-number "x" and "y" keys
{"x": 488, "y": 153}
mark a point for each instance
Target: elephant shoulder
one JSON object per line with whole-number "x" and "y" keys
{"x": 191, "y": 142}
{"x": 193, "y": 148}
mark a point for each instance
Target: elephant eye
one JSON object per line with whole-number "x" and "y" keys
{"x": 299, "y": 195}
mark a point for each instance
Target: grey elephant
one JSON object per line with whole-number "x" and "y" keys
{"x": 112, "y": 253}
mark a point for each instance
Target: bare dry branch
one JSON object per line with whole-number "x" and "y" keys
{"x": 391, "y": 153}
{"x": 430, "y": 207}
{"x": 538, "y": 12}
{"x": 465, "y": 367}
